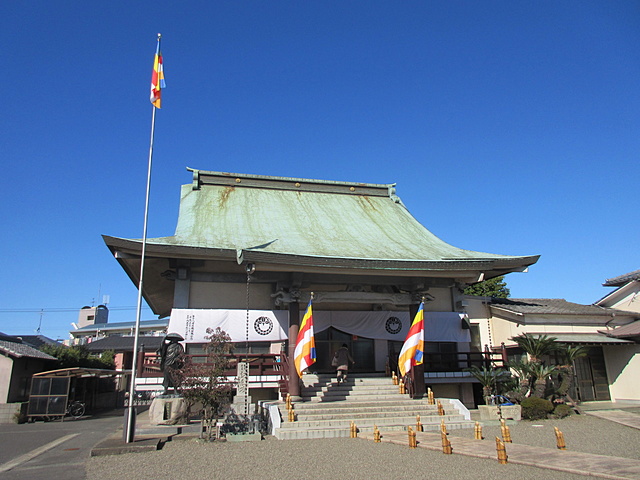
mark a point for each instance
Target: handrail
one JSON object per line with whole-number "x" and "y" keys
{"x": 259, "y": 364}
{"x": 284, "y": 375}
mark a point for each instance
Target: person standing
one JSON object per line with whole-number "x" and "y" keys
{"x": 341, "y": 360}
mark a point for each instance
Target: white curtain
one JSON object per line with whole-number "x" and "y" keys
{"x": 272, "y": 325}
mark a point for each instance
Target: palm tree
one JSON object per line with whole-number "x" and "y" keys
{"x": 541, "y": 373}
{"x": 489, "y": 379}
{"x": 536, "y": 347}
{"x": 522, "y": 371}
{"x": 569, "y": 354}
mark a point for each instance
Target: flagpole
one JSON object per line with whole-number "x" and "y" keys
{"x": 130, "y": 418}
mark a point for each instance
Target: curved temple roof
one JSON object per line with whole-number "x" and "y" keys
{"x": 313, "y": 222}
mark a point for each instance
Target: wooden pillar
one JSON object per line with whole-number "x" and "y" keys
{"x": 140, "y": 362}
{"x": 294, "y": 323}
{"x": 505, "y": 356}
{"x": 417, "y": 372}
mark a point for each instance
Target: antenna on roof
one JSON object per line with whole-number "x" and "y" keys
{"x": 105, "y": 299}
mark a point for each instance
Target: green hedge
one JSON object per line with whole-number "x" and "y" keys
{"x": 535, "y": 408}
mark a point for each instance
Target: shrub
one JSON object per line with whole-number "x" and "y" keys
{"x": 562, "y": 410}
{"x": 535, "y": 408}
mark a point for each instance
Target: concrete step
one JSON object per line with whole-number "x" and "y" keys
{"x": 363, "y": 428}
{"x": 349, "y": 386}
{"x": 349, "y": 397}
{"x": 371, "y": 413}
{"x": 369, "y": 408}
{"x": 384, "y": 417}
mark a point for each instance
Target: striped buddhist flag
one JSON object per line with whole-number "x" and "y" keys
{"x": 157, "y": 78}
{"x": 413, "y": 348}
{"x": 305, "y": 353}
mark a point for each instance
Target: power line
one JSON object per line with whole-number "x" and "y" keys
{"x": 59, "y": 310}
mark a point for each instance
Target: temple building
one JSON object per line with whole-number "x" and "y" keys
{"x": 249, "y": 250}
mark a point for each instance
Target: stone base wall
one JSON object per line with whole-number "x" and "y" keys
{"x": 9, "y": 411}
{"x": 509, "y": 412}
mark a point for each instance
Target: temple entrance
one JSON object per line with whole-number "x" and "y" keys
{"x": 331, "y": 339}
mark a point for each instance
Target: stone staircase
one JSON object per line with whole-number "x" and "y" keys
{"x": 328, "y": 408}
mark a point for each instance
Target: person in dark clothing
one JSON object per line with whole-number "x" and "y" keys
{"x": 341, "y": 360}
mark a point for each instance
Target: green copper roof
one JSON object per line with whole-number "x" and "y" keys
{"x": 310, "y": 218}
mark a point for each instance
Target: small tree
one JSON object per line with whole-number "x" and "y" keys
{"x": 490, "y": 380}
{"x": 206, "y": 384}
{"x": 536, "y": 347}
{"x": 79, "y": 356}
{"x": 494, "y": 287}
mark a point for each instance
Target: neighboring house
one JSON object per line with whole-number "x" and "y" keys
{"x": 93, "y": 324}
{"x": 90, "y": 333}
{"x": 626, "y": 296}
{"x": 249, "y": 250}
{"x": 18, "y": 362}
{"x": 123, "y": 348}
{"x": 611, "y": 368}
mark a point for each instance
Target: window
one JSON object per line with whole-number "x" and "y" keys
{"x": 441, "y": 357}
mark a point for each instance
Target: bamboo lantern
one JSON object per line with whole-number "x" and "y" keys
{"x": 292, "y": 415}
{"x": 506, "y": 433}
{"x": 412, "y": 438}
{"x": 446, "y": 444}
{"x": 354, "y": 430}
{"x": 376, "y": 434}
{"x": 440, "y": 408}
{"x": 478, "y": 431}
{"x": 502, "y": 451}
{"x": 430, "y": 398}
{"x": 443, "y": 427}
{"x": 560, "y": 439}
{"x": 394, "y": 378}
{"x": 419, "y": 427}
{"x": 401, "y": 389}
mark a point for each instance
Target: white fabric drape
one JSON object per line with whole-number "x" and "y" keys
{"x": 272, "y": 325}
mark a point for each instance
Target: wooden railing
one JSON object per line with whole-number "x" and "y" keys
{"x": 259, "y": 364}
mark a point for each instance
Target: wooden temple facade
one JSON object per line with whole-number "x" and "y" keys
{"x": 248, "y": 251}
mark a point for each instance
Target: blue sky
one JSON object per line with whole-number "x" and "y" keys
{"x": 509, "y": 127}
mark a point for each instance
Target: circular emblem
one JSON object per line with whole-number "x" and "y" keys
{"x": 393, "y": 325}
{"x": 263, "y": 326}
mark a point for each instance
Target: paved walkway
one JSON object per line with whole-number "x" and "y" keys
{"x": 560, "y": 460}
{"x": 619, "y": 416}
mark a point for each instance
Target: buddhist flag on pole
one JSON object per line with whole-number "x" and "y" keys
{"x": 305, "y": 353}
{"x": 413, "y": 348}
{"x": 157, "y": 78}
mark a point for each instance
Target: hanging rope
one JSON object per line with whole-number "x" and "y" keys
{"x": 250, "y": 269}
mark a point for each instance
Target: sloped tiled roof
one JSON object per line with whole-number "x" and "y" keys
{"x": 37, "y": 341}
{"x": 584, "y": 338}
{"x": 626, "y": 331}
{"x": 553, "y": 306}
{"x": 146, "y": 324}
{"x": 622, "y": 279}
{"x": 123, "y": 344}
{"x": 19, "y": 350}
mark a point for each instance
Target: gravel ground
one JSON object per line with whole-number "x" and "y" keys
{"x": 582, "y": 433}
{"x": 360, "y": 459}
